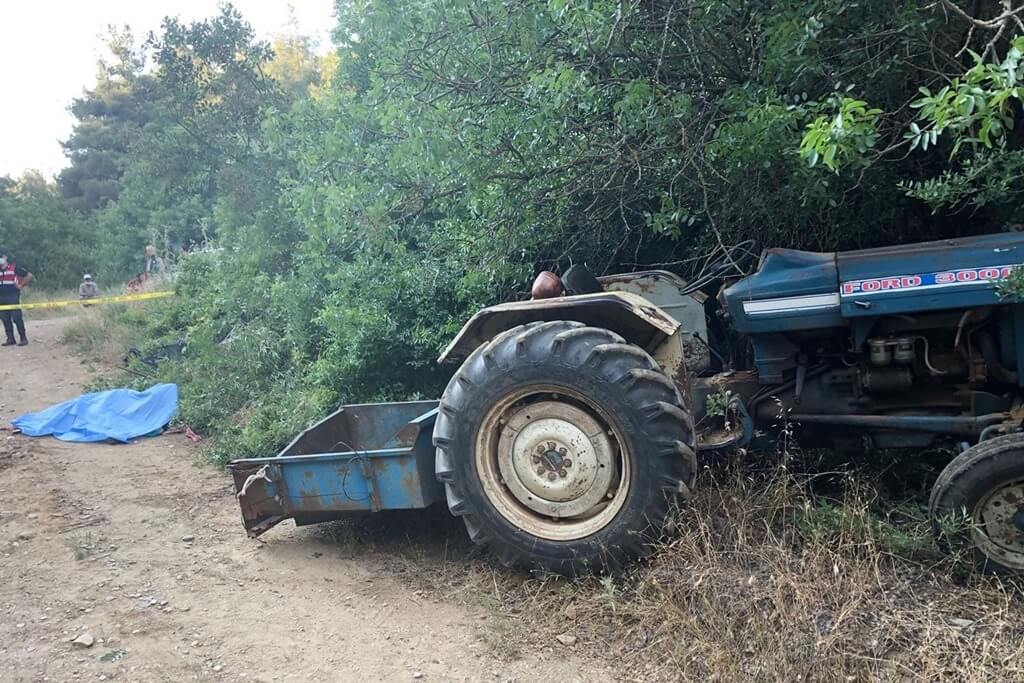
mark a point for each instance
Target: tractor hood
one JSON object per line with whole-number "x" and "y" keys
{"x": 791, "y": 290}
{"x": 799, "y": 290}
{"x": 928, "y": 276}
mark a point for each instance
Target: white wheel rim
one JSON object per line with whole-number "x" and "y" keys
{"x": 996, "y": 518}
{"x": 551, "y": 463}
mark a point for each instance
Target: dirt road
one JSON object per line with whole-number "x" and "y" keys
{"x": 141, "y": 549}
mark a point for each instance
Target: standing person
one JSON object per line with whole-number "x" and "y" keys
{"x": 87, "y": 290}
{"x": 13, "y": 279}
{"x": 153, "y": 262}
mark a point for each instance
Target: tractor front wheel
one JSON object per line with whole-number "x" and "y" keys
{"x": 562, "y": 447}
{"x": 977, "y": 504}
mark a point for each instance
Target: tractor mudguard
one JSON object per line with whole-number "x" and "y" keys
{"x": 629, "y": 315}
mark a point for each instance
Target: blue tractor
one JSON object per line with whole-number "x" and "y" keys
{"x": 575, "y": 418}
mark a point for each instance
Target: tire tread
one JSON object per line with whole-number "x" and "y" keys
{"x": 576, "y": 346}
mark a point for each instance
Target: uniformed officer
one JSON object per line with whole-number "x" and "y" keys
{"x": 13, "y": 278}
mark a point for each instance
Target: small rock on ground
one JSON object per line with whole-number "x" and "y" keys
{"x": 84, "y": 641}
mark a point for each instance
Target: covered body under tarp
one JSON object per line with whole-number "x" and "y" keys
{"x": 117, "y": 415}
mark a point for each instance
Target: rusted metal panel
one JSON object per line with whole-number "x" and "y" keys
{"x": 387, "y": 463}
{"x": 688, "y": 352}
{"x": 626, "y": 313}
{"x": 361, "y": 427}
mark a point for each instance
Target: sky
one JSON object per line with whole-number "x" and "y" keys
{"x": 49, "y": 50}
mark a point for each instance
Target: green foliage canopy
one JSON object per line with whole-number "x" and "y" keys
{"x": 356, "y": 208}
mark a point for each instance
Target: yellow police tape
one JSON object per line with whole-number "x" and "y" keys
{"x": 91, "y": 302}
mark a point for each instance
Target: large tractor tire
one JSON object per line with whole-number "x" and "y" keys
{"x": 562, "y": 448}
{"x": 977, "y": 505}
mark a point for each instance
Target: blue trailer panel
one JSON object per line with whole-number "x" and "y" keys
{"x": 362, "y": 458}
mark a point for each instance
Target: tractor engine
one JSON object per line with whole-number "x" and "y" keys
{"x": 899, "y": 343}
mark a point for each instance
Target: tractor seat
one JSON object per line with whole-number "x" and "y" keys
{"x": 579, "y": 280}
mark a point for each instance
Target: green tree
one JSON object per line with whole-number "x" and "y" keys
{"x": 42, "y": 233}
{"x": 295, "y": 65}
{"x": 109, "y": 119}
{"x": 201, "y": 155}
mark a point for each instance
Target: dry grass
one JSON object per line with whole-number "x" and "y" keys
{"x": 751, "y": 590}
{"x": 81, "y": 546}
{"x": 100, "y": 334}
{"x": 762, "y": 581}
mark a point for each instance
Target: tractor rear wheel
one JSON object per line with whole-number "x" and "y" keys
{"x": 561, "y": 446}
{"x": 977, "y": 504}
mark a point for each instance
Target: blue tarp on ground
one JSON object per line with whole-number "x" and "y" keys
{"x": 120, "y": 414}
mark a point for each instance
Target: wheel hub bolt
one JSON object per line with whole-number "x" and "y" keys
{"x": 551, "y": 459}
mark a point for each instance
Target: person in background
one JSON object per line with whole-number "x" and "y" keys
{"x": 87, "y": 290}
{"x": 13, "y": 279}
{"x": 153, "y": 262}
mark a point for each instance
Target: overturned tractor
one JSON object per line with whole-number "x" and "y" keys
{"x": 575, "y": 418}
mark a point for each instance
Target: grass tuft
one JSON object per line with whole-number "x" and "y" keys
{"x": 81, "y": 546}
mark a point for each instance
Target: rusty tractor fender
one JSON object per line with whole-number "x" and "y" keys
{"x": 632, "y": 316}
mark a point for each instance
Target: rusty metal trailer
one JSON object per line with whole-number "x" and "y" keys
{"x": 361, "y": 458}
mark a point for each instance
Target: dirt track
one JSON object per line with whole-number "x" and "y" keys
{"x": 219, "y": 607}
